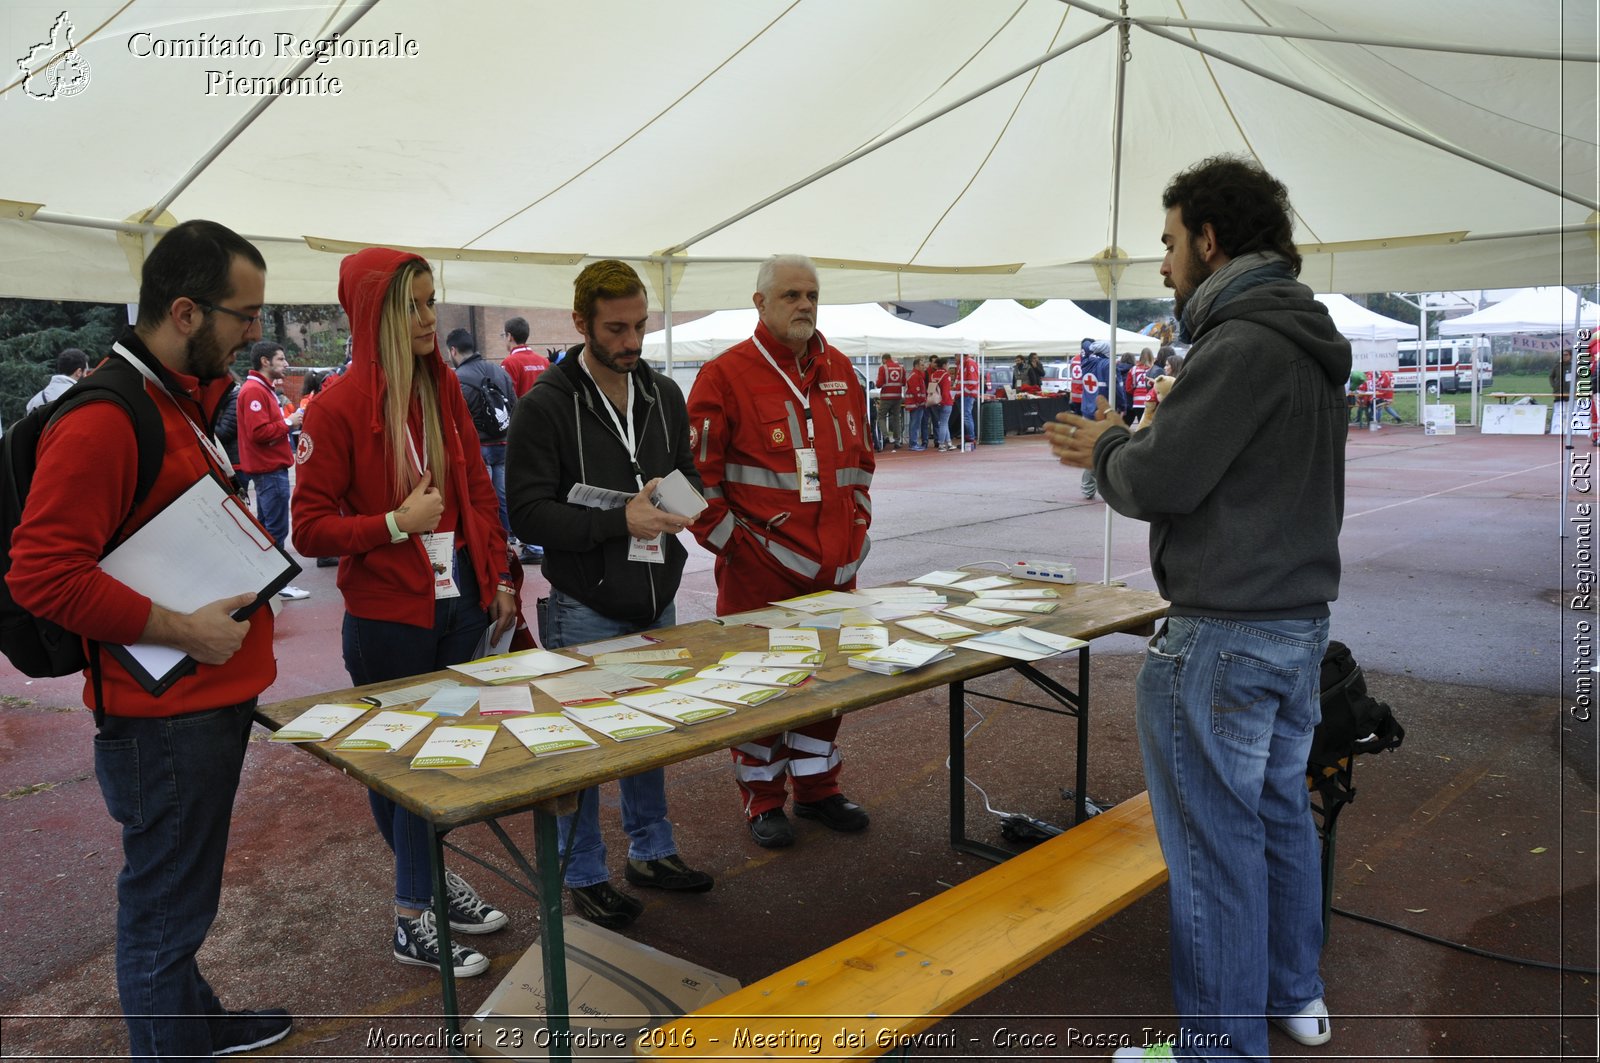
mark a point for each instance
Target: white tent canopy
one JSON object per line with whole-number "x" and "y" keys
{"x": 1531, "y": 310}
{"x": 856, "y": 329}
{"x": 1006, "y": 327}
{"x": 1373, "y": 338}
{"x": 916, "y": 148}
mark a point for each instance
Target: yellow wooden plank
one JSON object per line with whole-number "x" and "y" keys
{"x": 910, "y": 970}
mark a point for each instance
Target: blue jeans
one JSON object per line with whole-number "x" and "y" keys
{"x": 568, "y": 622}
{"x": 942, "y": 424}
{"x": 272, "y": 501}
{"x": 378, "y": 650}
{"x": 494, "y": 458}
{"x": 919, "y": 422}
{"x": 1226, "y": 709}
{"x": 170, "y": 782}
{"x": 969, "y": 417}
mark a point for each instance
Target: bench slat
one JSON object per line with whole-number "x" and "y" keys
{"x": 932, "y": 960}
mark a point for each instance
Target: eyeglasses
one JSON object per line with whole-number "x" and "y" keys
{"x": 248, "y": 319}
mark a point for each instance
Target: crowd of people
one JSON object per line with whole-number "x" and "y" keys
{"x": 424, "y": 480}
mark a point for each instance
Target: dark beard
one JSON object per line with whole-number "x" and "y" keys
{"x": 203, "y": 356}
{"x": 1198, "y": 272}
{"x": 612, "y": 360}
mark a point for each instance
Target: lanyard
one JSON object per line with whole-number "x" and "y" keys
{"x": 624, "y": 426}
{"x": 804, "y": 397}
{"x": 212, "y": 446}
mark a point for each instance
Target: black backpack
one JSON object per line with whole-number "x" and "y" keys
{"x": 38, "y": 647}
{"x": 1353, "y": 722}
{"x": 491, "y": 416}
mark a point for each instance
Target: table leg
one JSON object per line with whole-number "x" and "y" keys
{"x": 958, "y": 767}
{"x": 547, "y": 855}
{"x": 441, "y": 915}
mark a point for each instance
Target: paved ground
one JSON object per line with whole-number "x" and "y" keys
{"x": 1482, "y": 829}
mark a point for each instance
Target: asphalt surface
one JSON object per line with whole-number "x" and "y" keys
{"x": 1482, "y": 829}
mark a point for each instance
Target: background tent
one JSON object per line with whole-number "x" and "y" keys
{"x": 858, "y": 330}
{"x": 917, "y": 148}
{"x": 1068, "y": 318}
{"x": 1373, "y": 337}
{"x": 1004, "y": 327}
{"x": 1531, "y": 310}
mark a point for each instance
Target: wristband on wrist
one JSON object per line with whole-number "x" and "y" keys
{"x": 395, "y": 534}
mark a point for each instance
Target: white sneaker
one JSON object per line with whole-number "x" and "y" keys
{"x": 293, "y": 593}
{"x": 1309, "y": 1025}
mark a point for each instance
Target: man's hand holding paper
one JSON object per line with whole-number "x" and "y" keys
{"x": 210, "y": 634}
{"x": 645, "y": 521}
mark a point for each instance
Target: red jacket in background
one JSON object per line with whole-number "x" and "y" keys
{"x": 971, "y": 379}
{"x": 1075, "y": 378}
{"x": 1139, "y": 386}
{"x": 82, "y": 490}
{"x": 916, "y": 387}
{"x": 263, "y": 432}
{"x": 947, "y": 385}
{"x": 345, "y": 483}
{"x": 891, "y": 380}
{"x": 524, "y": 365}
{"x": 745, "y": 425}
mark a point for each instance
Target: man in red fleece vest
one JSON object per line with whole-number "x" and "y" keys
{"x": 168, "y": 764}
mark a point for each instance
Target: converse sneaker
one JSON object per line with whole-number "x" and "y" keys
{"x": 469, "y": 913}
{"x": 416, "y": 941}
{"x": 667, "y": 873}
{"x": 604, "y": 905}
{"x": 246, "y": 1031}
{"x": 1310, "y": 1025}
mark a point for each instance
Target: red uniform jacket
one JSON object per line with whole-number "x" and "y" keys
{"x": 891, "y": 380}
{"x": 947, "y": 385}
{"x": 524, "y": 365}
{"x": 971, "y": 383}
{"x": 263, "y": 434}
{"x": 916, "y": 388}
{"x": 345, "y": 484}
{"x": 745, "y": 425}
{"x": 82, "y": 491}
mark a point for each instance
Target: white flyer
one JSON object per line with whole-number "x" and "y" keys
{"x": 387, "y": 732}
{"x": 319, "y": 723}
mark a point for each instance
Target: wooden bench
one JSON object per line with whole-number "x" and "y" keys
{"x": 911, "y": 970}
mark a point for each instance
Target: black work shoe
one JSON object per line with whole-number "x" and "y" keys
{"x": 604, "y": 905}
{"x": 667, "y": 873}
{"x": 772, "y": 830}
{"x": 836, "y": 813}
{"x": 246, "y": 1031}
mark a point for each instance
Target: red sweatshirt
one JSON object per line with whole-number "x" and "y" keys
{"x": 81, "y": 493}
{"x": 345, "y": 482}
{"x": 525, "y": 366}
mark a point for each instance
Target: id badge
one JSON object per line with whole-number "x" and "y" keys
{"x": 441, "y": 548}
{"x": 805, "y": 463}
{"x": 650, "y": 551}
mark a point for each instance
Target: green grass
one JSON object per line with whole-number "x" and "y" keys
{"x": 1405, "y": 401}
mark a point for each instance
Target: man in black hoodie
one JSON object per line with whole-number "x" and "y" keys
{"x": 602, "y": 417}
{"x": 1242, "y": 480}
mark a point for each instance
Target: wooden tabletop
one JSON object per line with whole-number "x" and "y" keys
{"x": 511, "y": 779}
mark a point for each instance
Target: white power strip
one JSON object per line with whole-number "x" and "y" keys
{"x": 1049, "y": 571}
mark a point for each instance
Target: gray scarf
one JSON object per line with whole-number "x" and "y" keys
{"x": 1229, "y": 281}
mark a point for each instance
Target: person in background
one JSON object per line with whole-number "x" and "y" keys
{"x": 522, "y": 363}
{"x": 971, "y": 386}
{"x": 265, "y": 453}
{"x": 1096, "y": 379}
{"x": 478, "y": 378}
{"x": 916, "y": 399}
{"x": 1140, "y": 384}
{"x": 891, "y": 408}
{"x": 72, "y": 365}
{"x": 391, "y": 483}
{"x": 1241, "y": 478}
{"x": 1035, "y": 372}
{"x": 940, "y": 380}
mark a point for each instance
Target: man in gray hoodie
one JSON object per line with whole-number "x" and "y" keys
{"x": 1241, "y": 477}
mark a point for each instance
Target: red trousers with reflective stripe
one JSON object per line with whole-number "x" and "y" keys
{"x": 806, "y": 754}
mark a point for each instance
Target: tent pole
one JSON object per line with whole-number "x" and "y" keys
{"x": 666, "y": 311}
{"x": 1124, "y": 57}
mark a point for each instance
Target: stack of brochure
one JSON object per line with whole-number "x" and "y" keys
{"x": 617, "y": 722}
{"x": 679, "y": 708}
{"x": 460, "y": 745}
{"x": 549, "y": 733}
{"x": 1023, "y": 643}
{"x": 517, "y": 667}
{"x": 903, "y": 656}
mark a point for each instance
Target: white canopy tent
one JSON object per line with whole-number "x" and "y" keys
{"x": 1005, "y": 327}
{"x": 1373, "y": 337}
{"x": 856, "y": 329}
{"x": 1531, "y": 310}
{"x": 941, "y": 148}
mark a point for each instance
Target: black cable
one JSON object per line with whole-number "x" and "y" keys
{"x": 1472, "y": 949}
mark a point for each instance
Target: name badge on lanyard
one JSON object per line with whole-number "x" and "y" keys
{"x": 441, "y": 546}
{"x": 650, "y": 551}
{"x": 806, "y": 467}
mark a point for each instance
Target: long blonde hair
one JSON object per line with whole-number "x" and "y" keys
{"x": 406, "y": 384}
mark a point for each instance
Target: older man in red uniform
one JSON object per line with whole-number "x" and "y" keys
{"x": 779, "y": 429}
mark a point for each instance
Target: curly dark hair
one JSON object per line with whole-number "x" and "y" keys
{"x": 1246, "y": 206}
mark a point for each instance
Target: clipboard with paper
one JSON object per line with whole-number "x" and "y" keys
{"x": 204, "y": 546}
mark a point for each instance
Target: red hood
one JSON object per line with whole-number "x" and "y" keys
{"x": 363, "y": 279}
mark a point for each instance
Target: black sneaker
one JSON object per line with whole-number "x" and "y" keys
{"x": 772, "y": 829}
{"x": 667, "y": 873}
{"x": 416, "y": 941}
{"x": 327, "y": 562}
{"x": 469, "y": 913}
{"x": 531, "y": 555}
{"x": 836, "y": 813}
{"x": 604, "y": 905}
{"x": 246, "y": 1031}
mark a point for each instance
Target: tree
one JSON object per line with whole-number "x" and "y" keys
{"x": 34, "y": 331}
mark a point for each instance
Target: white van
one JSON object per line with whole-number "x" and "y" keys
{"x": 1450, "y": 364}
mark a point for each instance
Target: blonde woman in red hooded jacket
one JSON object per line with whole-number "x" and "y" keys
{"x": 391, "y": 481}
